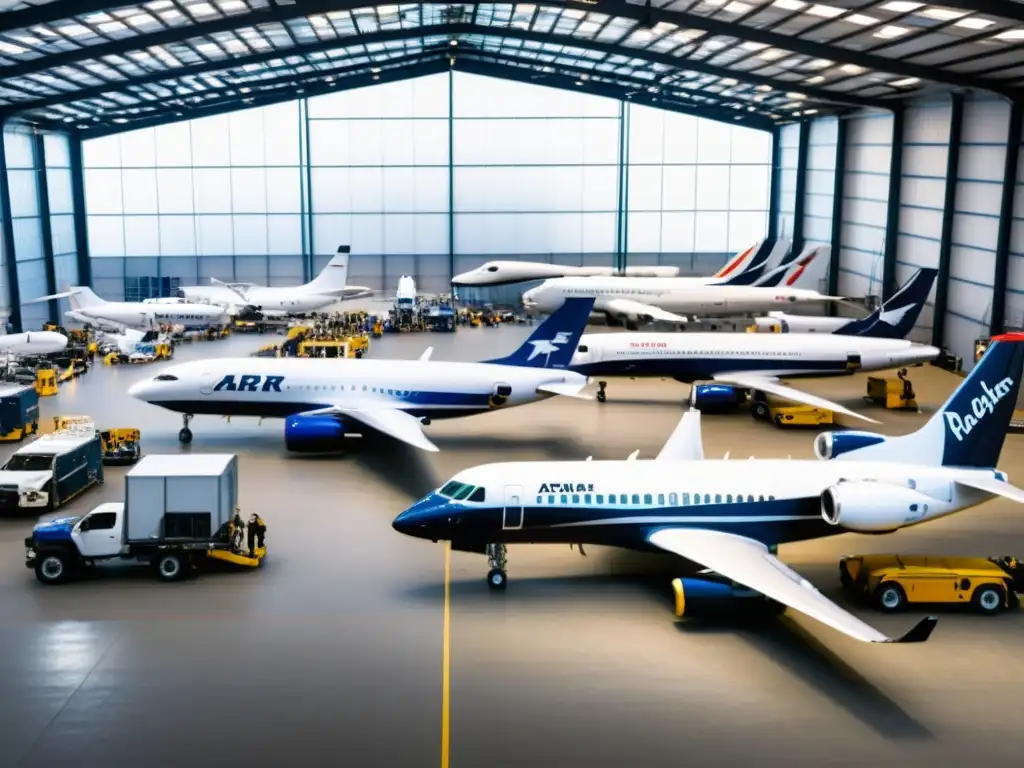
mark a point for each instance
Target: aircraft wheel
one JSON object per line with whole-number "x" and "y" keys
{"x": 185, "y": 436}
{"x": 496, "y": 579}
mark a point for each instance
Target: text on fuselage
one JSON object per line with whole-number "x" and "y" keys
{"x": 249, "y": 383}
{"x": 566, "y": 488}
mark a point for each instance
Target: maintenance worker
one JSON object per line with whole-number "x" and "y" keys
{"x": 257, "y": 529}
{"x": 236, "y": 532}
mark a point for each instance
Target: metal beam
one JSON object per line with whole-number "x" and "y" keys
{"x": 640, "y": 13}
{"x": 49, "y": 13}
{"x": 451, "y": 174}
{"x": 892, "y": 216}
{"x": 78, "y": 208}
{"x": 456, "y": 30}
{"x": 997, "y": 323}
{"x": 800, "y": 204}
{"x": 838, "y": 202}
{"x": 621, "y": 204}
{"x": 45, "y": 223}
{"x": 775, "y": 191}
{"x": 956, "y": 120}
{"x": 1013, "y": 11}
{"x": 10, "y": 259}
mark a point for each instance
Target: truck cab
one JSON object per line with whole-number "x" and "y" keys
{"x": 56, "y": 547}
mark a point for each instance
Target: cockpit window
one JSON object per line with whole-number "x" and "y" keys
{"x": 166, "y": 377}
{"x": 492, "y": 269}
{"x": 462, "y": 491}
{"x": 478, "y": 494}
{"x": 450, "y": 488}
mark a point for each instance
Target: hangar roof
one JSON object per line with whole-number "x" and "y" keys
{"x": 98, "y": 68}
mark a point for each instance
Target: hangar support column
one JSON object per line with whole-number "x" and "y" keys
{"x": 838, "y": 190}
{"x": 956, "y": 120}
{"x": 10, "y": 261}
{"x": 78, "y": 210}
{"x": 892, "y": 217}
{"x": 1013, "y": 140}
{"x": 43, "y": 195}
{"x": 775, "y": 192}
{"x": 800, "y": 203}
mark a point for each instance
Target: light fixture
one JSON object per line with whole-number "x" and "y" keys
{"x": 825, "y": 11}
{"x": 942, "y": 14}
{"x": 891, "y": 31}
{"x": 1013, "y": 34}
{"x": 974, "y": 22}
{"x": 905, "y": 82}
{"x": 815, "y": 80}
{"x": 737, "y": 7}
{"x": 765, "y": 88}
{"x": 789, "y": 5}
{"x": 453, "y": 43}
{"x": 730, "y": 81}
{"x": 579, "y": 82}
{"x": 748, "y": 46}
{"x": 901, "y": 7}
{"x": 853, "y": 69}
{"x": 772, "y": 54}
{"x": 11, "y": 49}
{"x": 861, "y": 20}
{"x": 819, "y": 63}
{"x": 795, "y": 96}
{"x": 810, "y": 111}
{"x": 319, "y": 21}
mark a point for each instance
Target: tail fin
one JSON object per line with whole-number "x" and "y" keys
{"x": 81, "y": 297}
{"x": 332, "y": 278}
{"x": 554, "y": 342}
{"x": 969, "y": 430}
{"x": 896, "y": 317}
{"x": 766, "y": 250}
{"x": 738, "y": 263}
{"x": 774, "y": 277}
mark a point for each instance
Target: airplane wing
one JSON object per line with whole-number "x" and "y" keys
{"x": 994, "y": 486}
{"x": 391, "y": 421}
{"x": 632, "y": 308}
{"x": 749, "y": 563}
{"x": 235, "y": 288}
{"x": 767, "y": 382}
{"x": 426, "y": 354}
{"x": 563, "y": 388}
{"x": 685, "y": 443}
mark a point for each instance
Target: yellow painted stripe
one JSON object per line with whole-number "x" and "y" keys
{"x": 446, "y": 660}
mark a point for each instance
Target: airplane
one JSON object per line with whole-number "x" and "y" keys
{"x": 90, "y": 309}
{"x": 646, "y": 299}
{"x": 886, "y": 322}
{"x": 327, "y": 288}
{"x": 322, "y": 400}
{"x": 494, "y": 273}
{"x": 730, "y": 517}
{"x": 127, "y": 340}
{"x": 32, "y": 343}
{"x": 744, "y": 361}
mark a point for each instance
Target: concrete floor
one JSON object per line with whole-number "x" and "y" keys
{"x": 332, "y": 652}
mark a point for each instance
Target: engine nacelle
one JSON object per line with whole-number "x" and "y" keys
{"x": 711, "y": 397}
{"x": 828, "y": 445}
{"x": 313, "y": 434}
{"x": 692, "y": 595}
{"x": 868, "y": 507}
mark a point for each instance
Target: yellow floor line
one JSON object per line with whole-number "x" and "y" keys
{"x": 446, "y": 662}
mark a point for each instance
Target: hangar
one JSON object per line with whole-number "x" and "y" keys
{"x": 152, "y": 146}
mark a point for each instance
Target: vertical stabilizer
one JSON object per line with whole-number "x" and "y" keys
{"x": 896, "y": 317}
{"x": 332, "y": 278}
{"x": 765, "y": 251}
{"x": 82, "y": 297}
{"x": 554, "y": 342}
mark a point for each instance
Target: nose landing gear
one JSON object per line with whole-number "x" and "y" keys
{"x": 185, "y": 434}
{"x": 602, "y": 394}
{"x": 496, "y": 558}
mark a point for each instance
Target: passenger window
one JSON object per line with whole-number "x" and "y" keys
{"x": 586, "y": 498}
{"x": 750, "y": 498}
{"x": 761, "y": 497}
{"x": 539, "y": 499}
{"x": 686, "y": 499}
{"x": 636, "y": 498}
{"x": 648, "y": 499}
{"x": 771, "y": 498}
{"x": 661, "y": 499}
{"x": 600, "y": 498}
{"x": 965, "y": 584}
{"x": 565, "y": 499}
{"x": 673, "y": 499}
{"x": 728, "y": 499}
{"x": 622, "y": 499}
{"x": 478, "y": 494}
{"x": 575, "y": 498}
{"x": 102, "y": 521}
{"x": 718, "y": 498}
{"x": 551, "y": 499}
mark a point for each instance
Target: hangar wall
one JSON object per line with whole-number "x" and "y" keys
{"x": 421, "y": 177}
{"x": 785, "y": 178}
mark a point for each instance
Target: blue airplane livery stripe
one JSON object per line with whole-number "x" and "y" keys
{"x": 699, "y": 368}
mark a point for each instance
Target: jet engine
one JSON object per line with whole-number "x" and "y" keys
{"x": 313, "y": 434}
{"x": 712, "y": 397}
{"x": 696, "y": 596}
{"x": 870, "y": 507}
{"x": 828, "y": 445}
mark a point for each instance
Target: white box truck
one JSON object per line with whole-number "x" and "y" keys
{"x": 178, "y": 510}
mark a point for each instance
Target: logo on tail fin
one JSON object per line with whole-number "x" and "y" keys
{"x": 961, "y": 425}
{"x": 547, "y": 346}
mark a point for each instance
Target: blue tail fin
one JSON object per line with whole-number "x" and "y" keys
{"x": 755, "y": 268}
{"x": 554, "y": 342}
{"x": 896, "y": 317}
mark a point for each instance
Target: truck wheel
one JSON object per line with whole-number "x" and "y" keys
{"x": 890, "y": 597}
{"x": 171, "y": 567}
{"x": 53, "y": 568}
{"x": 988, "y": 599}
{"x": 760, "y": 411}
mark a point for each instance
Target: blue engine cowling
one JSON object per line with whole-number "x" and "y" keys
{"x": 710, "y": 397}
{"x": 828, "y": 445}
{"x": 693, "y": 594}
{"x": 313, "y": 434}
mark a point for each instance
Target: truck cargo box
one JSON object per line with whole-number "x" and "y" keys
{"x": 180, "y": 497}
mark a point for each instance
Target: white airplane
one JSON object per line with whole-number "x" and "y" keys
{"x": 321, "y": 400}
{"x": 32, "y": 343}
{"x": 327, "y": 288}
{"x": 646, "y": 299}
{"x": 889, "y": 321}
{"x": 729, "y": 517}
{"x": 508, "y": 272}
{"x": 127, "y": 340}
{"x": 90, "y": 309}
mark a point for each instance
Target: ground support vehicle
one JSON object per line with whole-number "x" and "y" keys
{"x": 52, "y": 470}
{"x": 19, "y": 412}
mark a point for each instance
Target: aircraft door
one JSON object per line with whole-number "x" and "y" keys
{"x": 499, "y": 394}
{"x": 513, "y": 519}
{"x": 208, "y": 382}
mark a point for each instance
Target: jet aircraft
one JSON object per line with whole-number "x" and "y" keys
{"x": 90, "y": 309}
{"x": 729, "y": 517}
{"x": 32, "y": 343}
{"x": 321, "y": 400}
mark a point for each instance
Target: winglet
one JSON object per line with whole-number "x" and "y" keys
{"x": 920, "y": 631}
{"x": 426, "y": 354}
{"x": 633, "y": 455}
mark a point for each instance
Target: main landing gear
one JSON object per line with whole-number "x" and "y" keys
{"x": 496, "y": 558}
{"x": 185, "y": 434}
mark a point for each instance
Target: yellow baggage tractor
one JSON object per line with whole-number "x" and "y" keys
{"x": 894, "y": 394}
{"x": 768, "y": 409}
{"x": 46, "y": 382}
{"x": 121, "y": 446}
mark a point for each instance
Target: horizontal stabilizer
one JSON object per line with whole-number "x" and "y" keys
{"x": 920, "y": 631}
{"x": 52, "y": 296}
{"x": 773, "y": 386}
{"x": 685, "y": 443}
{"x": 565, "y": 389}
{"x": 994, "y": 486}
{"x": 426, "y": 354}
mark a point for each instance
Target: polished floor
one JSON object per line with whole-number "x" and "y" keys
{"x": 333, "y": 653}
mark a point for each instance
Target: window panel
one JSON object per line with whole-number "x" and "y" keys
{"x": 28, "y": 239}
{"x": 19, "y": 149}
{"x": 431, "y": 235}
{"x": 106, "y": 235}
{"x": 24, "y": 195}
{"x": 430, "y": 144}
{"x": 746, "y": 228}
{"x": 712, "y": 233}
{"x": 751, "y": 146}
{"x": 331, "y": 230}
{"x": 174, "y": 190}
{"x": 212, "y": 189}
{"x": 368, "y": 230}
{"x": 598, "y": 233}
{"x": 397, "y": 141}
{"x": 281, "y": 134}
{"x": 749, "y": 187}
{"x": 284, "y": 234}
{"x": 138, "y": 148}
{"x": 330, "y": 190}
{"x": 141, "y": 236}
{"x": 214, "y": 235}
{"x": 678, "y": 232}
{"x": 139, "y": 187}
{"x": 713, "y": 142}
{"x": 58, "y": 188}
{"x": 62, "y": 231}
{"x": 65, "y": 269}
{"x": 644, "y": 234}
{"x": 367, "y": 191}
{"x": 211, "y": 144}
{"x": 599, "y": 188}
{"x": 329, "y": 142}
{"x": 174, "y": 144}
{"x": 366, "y": 142}
{"x": 58, "y": 150}
{"x": 249, "y": 190}
{"x": 284, "y": 190}
{"x": 646, "y": 135}
{"x": 250, "y": 234}
{"x": 712, "y": 188}
{"x": 645, "y": 186}
{"x": 431, "y": 190}
{"x": 679, "y": 187}
{"x": 681, "y": 136}
{"x": 102, "y": 153}
{"x": 177, "y": 236}
{"x": 246, "y": 138}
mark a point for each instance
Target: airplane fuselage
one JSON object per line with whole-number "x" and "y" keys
{"x": 32, "y": 343}
{"x": 698, "y": 356}
{"x": 282, "y": 387}
{"x": 144, "y": 316}
{"x": 619, "y": 503}
{"x": 781, "y": 322}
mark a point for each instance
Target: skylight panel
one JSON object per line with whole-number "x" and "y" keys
{"x": 902, "y": 7}
{"x": 853, "y": 69}
{"x": 861, "y": 20}
{"x": 942, "y": 14}
{"x": 825, "y": 11}
{"x": 738, "y": 7}
{"x": 1011, "y": 35}
{"x": 891, "y": 31}
{"x": 789, "y": 5}
{"x": 974, "y": 22}
{"x": 905, "y": 82}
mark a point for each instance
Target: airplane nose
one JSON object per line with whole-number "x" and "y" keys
{"x": 138, "y": 390}
{"x": 405, "y": 523}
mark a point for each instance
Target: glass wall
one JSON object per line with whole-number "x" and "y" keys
{"x": 26, "y": 220}
{"x": 62, "y": 215}
{"x": 697, "y": 189}
{"x": 217, "y": 197}
{"x": 420, "y": 178}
